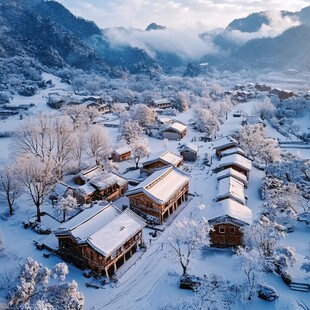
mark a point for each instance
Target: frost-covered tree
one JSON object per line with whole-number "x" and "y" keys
{"x": 182, "y": 102}
{"x": 78, "y": 147}
{"x": 37, "y": 178}
{"x": 254, "y": 141}
{"x": 10, "y": 188}
{"x": 205, "y": 121}
{"x": 65, "y": 205}
{"x": 99, "y": 146}
{"x": 130, "y": 130}
{"x": 264, "y": 236}
{"x": 251, "y": 264}
{"x": 139, "y": 149}
{"x": 186, "y": 238}
{"x": 265, "y": 108}
{"x": 34, "y": 291}
{"x": 119, "y": 110}
{"x": 143, "y": 115}
{"x": 77, "y": 114}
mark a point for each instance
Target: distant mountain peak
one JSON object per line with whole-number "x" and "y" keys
{"x": 154, "y": 26}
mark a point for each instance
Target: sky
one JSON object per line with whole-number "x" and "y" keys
{"x": 176, "y": 14}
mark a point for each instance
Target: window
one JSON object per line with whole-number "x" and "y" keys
{"x": 222, "y": 229}
{"x": 232, "y": 230}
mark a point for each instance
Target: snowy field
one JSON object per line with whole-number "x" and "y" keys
{"x": 149, "y": 280}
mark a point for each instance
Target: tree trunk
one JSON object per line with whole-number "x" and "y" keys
{"x": 64, "y": 216}
{"x": 184, "y": 270}
{"x": 11, "y": 208}
{"x": 38, "y": 213}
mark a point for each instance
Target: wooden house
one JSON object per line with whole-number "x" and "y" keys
{"x": 227, "y": 218}
{"x": 121, "y": 153}
{"x": 161, "y": 160}
{"x": 161, "y": 103}
{"x": 106, "y": 186}
{"x": 88, "y": 174}
{"x": 223, "y": 144}
{"x": 189, "y": 151}
{"x": 237, "y": 162}
{"x": 281, "y": 94}
{"x": 160, "y": 194}
{"x": 101, "y": 238}
{"x": 231, "y": 188}
{"x": 232, "y": 150}
{"x": 230, "y": 172}
{"x": 175, "y": 131}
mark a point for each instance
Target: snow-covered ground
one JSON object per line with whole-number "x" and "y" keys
{"x": 149, "y": 280}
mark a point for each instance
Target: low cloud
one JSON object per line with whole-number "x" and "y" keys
{"x": 277, "y": 25}
{"x": 185, "y": 43}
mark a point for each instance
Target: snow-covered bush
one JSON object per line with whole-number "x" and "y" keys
{"x": 33, "y": 289}
{"x": 65, "y": 205}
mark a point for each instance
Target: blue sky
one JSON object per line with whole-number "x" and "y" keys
{"x": 177, "y": 14}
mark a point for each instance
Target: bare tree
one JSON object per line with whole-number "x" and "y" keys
{"x": 99, "y": 146}
{"x": 10, "y": 188}
{"x": 140, "y": 148}
{"x": 35, "y": 136}
{"x": 91, "y": 113}
{"x": 186, "y": 238}
{"x": 77, "y": 114}
{"x": 78, "y": 147}
{"x": 265, "y": 108}
{"x": 38, "y": 179}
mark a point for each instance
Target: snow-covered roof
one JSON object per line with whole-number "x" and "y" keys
{"x": 161, "y": 101}
{"x": 176, "y": 126}
{"x": 165, "y": 120}
{"x": 230, "y": 172}
{"x": 189, "y": 146}
{"x": 162, "y": 185}
{"x": 167, "y": 157}
{"x": 61, "y": 188}
{"x": 231, "y": 187}
{"x": 120, "y": 230}
{"x": 231, "y": 208}
{"x": 89, "y": 221}
{"x": 122, "y": 150}
{"x": 232, "y": 150}
{"x": 224, "y": 142}
{"x": 236, "y": 159}
{"x": 88, "y": 174}
{"x": 106, "y": 180}
{"x": 85, "y": 190}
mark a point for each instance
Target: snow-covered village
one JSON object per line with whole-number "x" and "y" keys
{"x": 140, "y": 177}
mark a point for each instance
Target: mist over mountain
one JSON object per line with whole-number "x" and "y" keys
{"x": 48, "y": 32}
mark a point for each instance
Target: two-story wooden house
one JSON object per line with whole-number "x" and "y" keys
{"x": 105, "y": 186}
{"x": 101, "y": 238}
{"x": 227, "y": 218}
{"x": 160, "y": 194}
{"x": 161, "y": 160}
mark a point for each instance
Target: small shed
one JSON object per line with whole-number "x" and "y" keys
{"x": 175, "y": 131}
{"x": 121, "y": 153}
{"x": 227, "y": 218}
{"x": 189, "y": 151}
